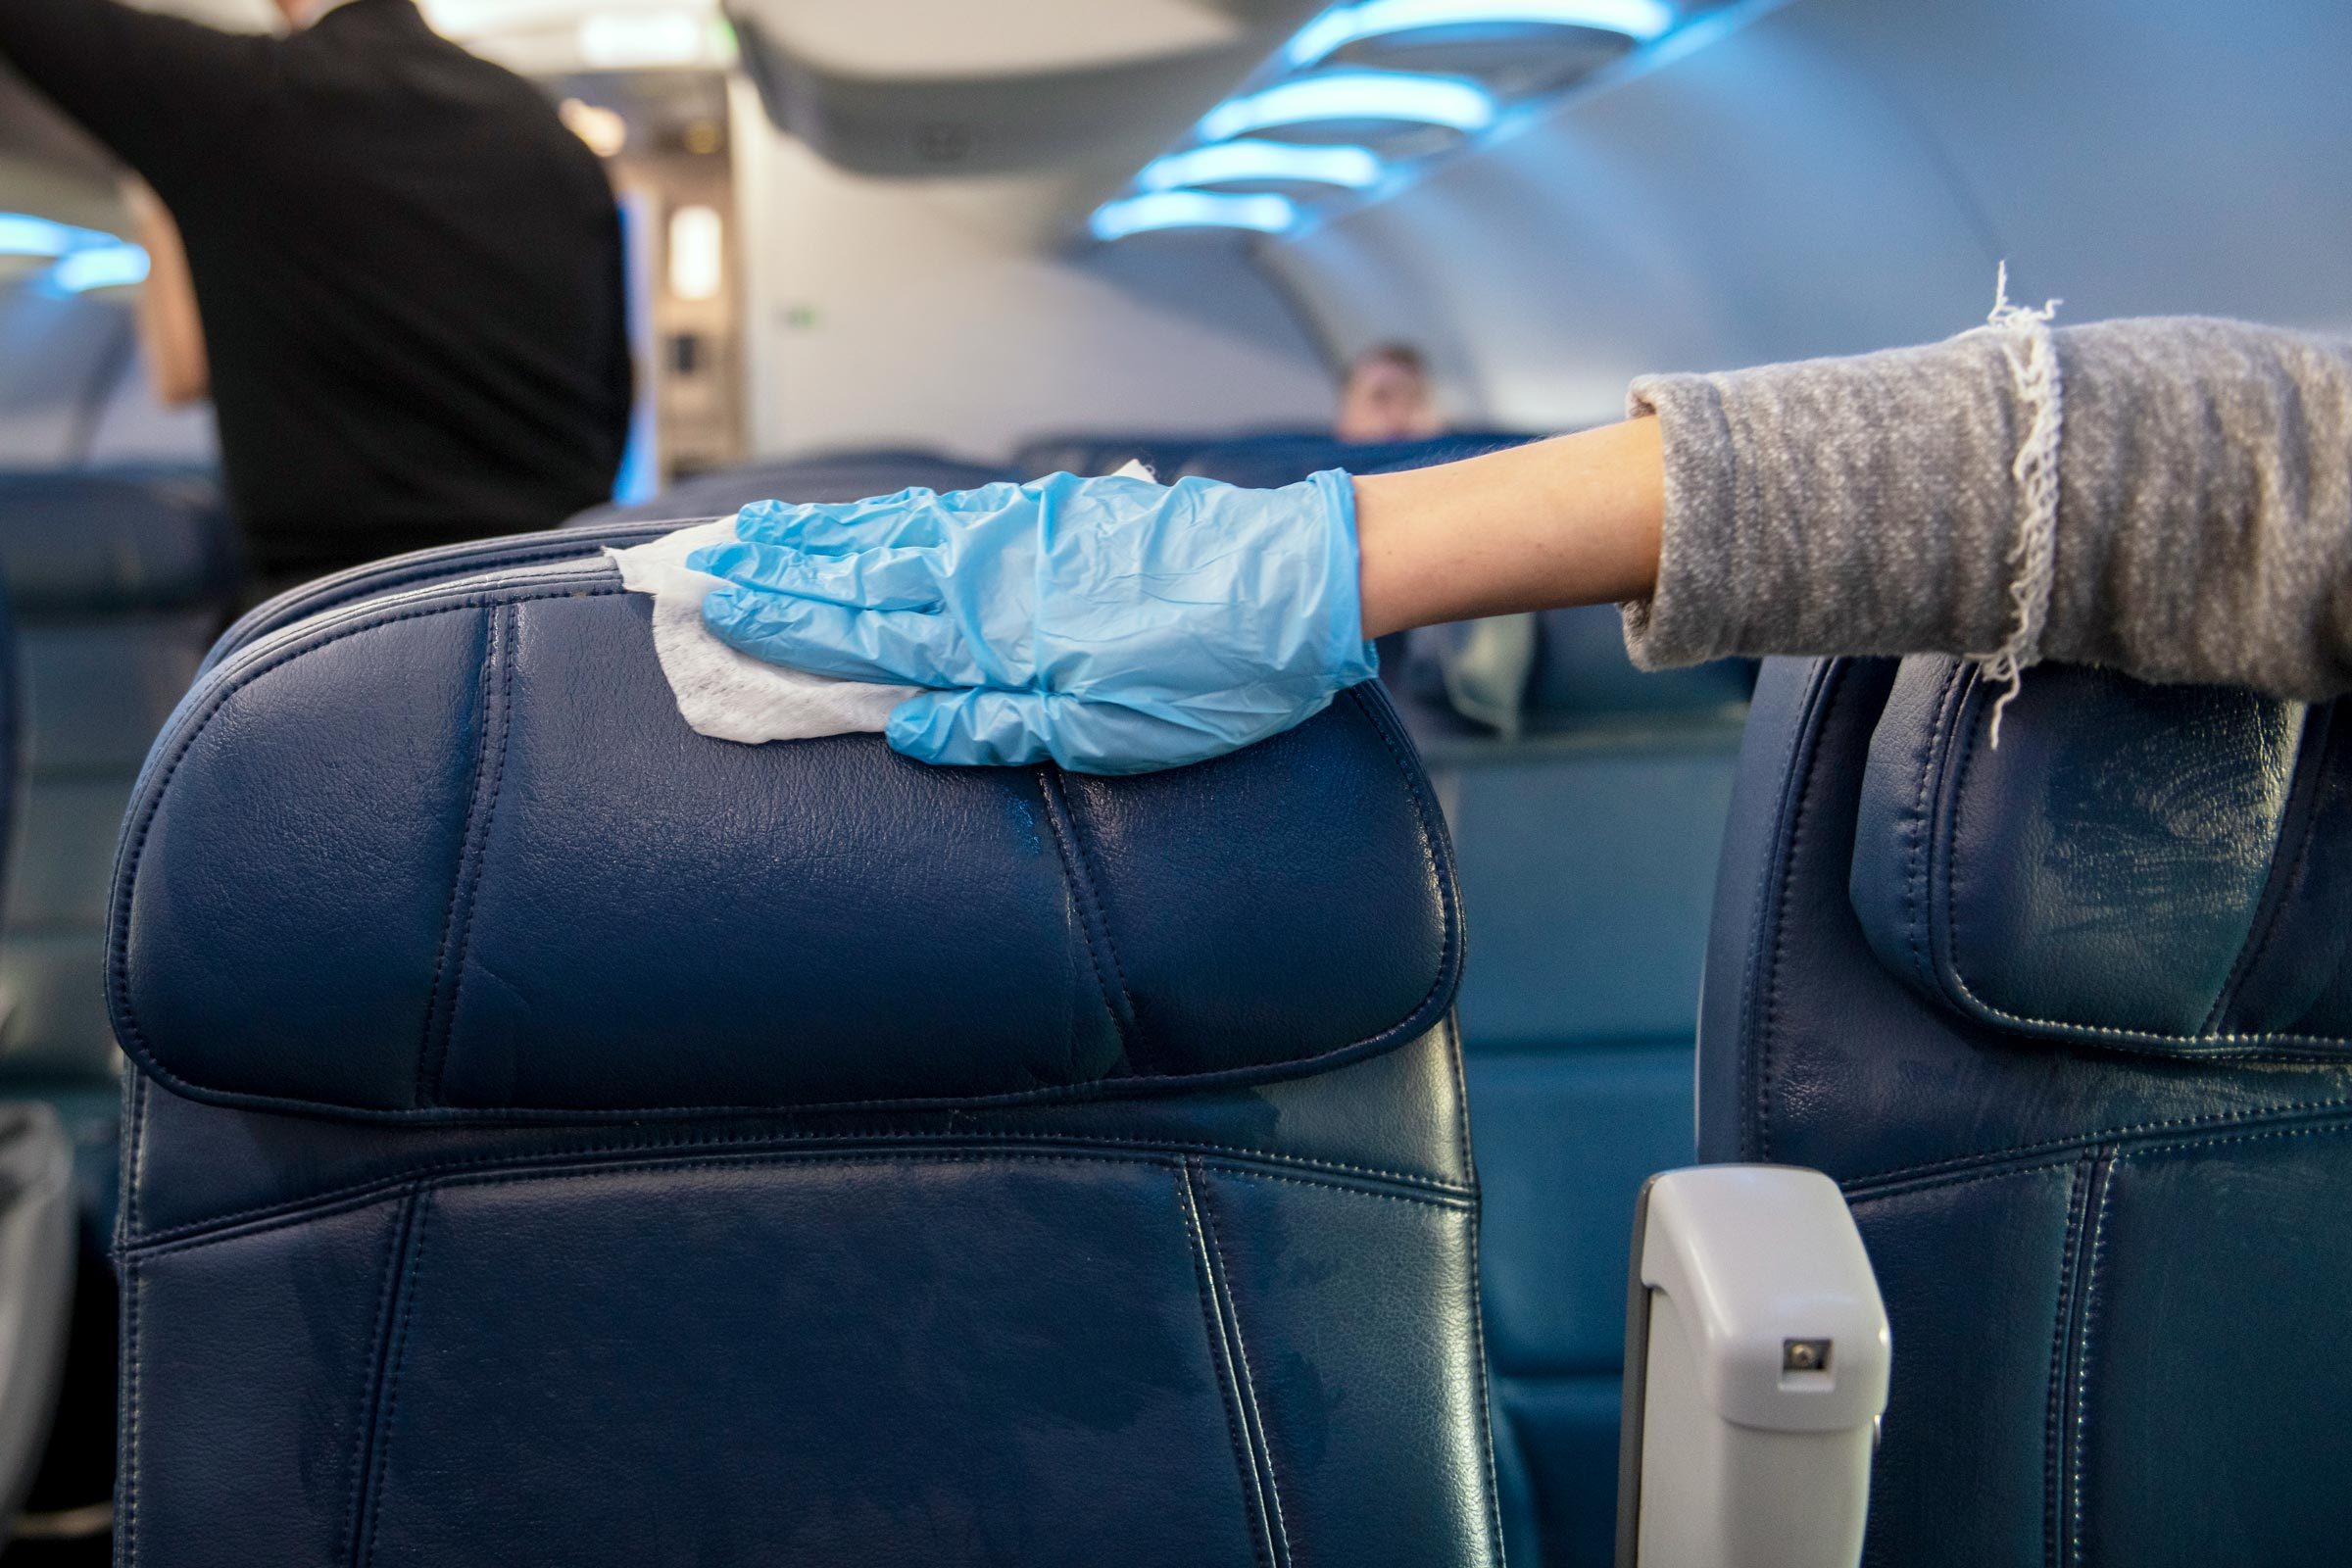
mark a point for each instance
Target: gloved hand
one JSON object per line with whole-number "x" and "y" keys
{"x": 1113, "y": 625}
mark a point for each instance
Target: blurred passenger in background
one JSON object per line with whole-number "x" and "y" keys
{"x": 402, "y": 280}
{"x": 1387, "y": 397}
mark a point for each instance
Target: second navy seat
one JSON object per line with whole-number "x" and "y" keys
{"x": 2069, "y": 1019}
{"x": 117, "y": 581}
{"x": 118, "y": 578}
{"x": 558, "y": 1136}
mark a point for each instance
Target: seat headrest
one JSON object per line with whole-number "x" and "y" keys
{"x": 2163, "y": 868}
{"x": 449, "y": 850}
{"x": 99, "y": 541}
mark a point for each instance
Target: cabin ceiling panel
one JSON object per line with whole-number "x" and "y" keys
{"x": 1832, "y": 176}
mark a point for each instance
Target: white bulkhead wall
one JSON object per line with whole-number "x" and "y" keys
{"x": 897, "y": 313}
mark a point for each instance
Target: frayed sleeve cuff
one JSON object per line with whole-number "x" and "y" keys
{"x": 1687, "y": 618}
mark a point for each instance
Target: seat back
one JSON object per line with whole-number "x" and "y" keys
{"x": 116, "y": 579}
{"x": 1587, "y": 848}
{"x": 2069, "y": 1019}
{"x": 777, "y": 1152}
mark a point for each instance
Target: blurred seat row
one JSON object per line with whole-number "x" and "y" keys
{"x": 117, "y": 581}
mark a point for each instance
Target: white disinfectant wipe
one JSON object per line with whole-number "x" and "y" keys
{"x": 731, "y": 696}
{"x": 727, "y": 694}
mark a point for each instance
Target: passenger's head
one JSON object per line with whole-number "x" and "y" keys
{"x": 298, "y": 13}
{"x": 1387, "y": 397}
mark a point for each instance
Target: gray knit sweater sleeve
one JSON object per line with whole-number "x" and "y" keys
{"x": 2199, "y": 526}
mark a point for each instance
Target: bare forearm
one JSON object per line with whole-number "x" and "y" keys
{"x": 1573, "y": 521}
{"x": 170, "y": 329}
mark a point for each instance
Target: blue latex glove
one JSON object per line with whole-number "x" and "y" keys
{"x": 1115, "y": 625}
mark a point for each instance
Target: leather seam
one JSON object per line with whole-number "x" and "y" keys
{"x": 381, "y": 578}
{"x": 1831, "y": 686}
{"x": 2183, "y": 1146}
{"x": 1382, "y": 719}
{"x": 276, "y": 1216}
{"x": 135, "y": 1140}
{"x": 1918, "y": 888}
{"x": 1093, "y": 917}
{"x": 492, "y": 652}
{"x": 127, "y": 1459}
{"x": 512, "y": 616}
{"x": 1254, "y": 1501}
{"x": 135, "y": 1043}
{"x": 2257, "y": 1045}
{"x": 1478, "y": 1305}
{"x": 380, "y": 1421}
{"x": 1760, "y": 968}
{"x": 575, "y": 578}
{"x": 1923, "y": 1177}
{"x": 1863, "y": 1192}
{"x": 1468, "y": 1150}
{"x": 379, "y": 1341}
{"x": 2279, "y": 889}
{"x": 1485, "y": 1414}
{"x": 149, "y": 798}
{"x": 2105, "y": 1179}
{"x": 1869, "y": 1189}
{"x": 2053, "y": 1435}
{"x": 1254, "y": 1415}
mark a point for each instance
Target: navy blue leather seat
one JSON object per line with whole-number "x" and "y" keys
{"x": 1588, "y": 849}
{"x": 37, "y": 1217}
{"x": 2071, "y": 1021}
{"x": 558, "y": 1136}
{"x": 117, "y": 581}
{"x": 824, "y": 476}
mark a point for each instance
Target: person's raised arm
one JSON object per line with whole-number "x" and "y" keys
{"x": 171, "y": 331}
{"x": 155, "y": 89}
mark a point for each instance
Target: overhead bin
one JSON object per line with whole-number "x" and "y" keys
{"x": 993, "y": 90}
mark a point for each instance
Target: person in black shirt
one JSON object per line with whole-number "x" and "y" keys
{"x": 409, "y": 270}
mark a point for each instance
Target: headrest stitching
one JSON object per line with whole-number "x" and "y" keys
{"x": 192, "y": 725}
{"x": 235, "y": 678}
{"x": 2260, "y": 1044}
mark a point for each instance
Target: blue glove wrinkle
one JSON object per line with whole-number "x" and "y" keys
{"x": 1114, "y": 625}
{"x": 888, "y": 647}
{"x": 884, "y": 578}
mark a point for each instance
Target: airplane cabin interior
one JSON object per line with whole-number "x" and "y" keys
{"x": 1786, "y": 1112}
